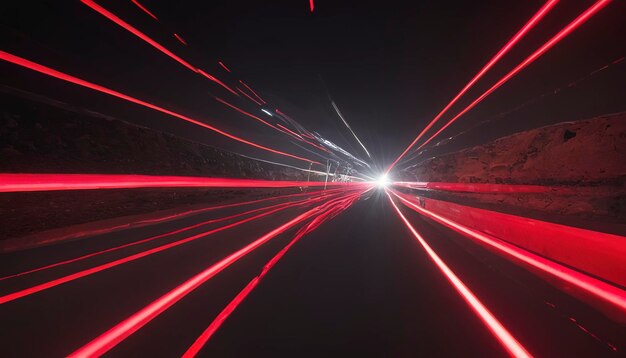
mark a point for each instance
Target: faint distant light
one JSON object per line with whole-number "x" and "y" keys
{"x": 268, "y": 112}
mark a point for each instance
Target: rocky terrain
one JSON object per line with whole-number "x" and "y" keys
{"x": 39, "y": 135}
{"x": 587, "y": 155}
{"x": 585, "y": 152}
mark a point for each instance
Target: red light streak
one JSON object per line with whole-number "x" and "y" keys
{"x": 174, "y": 232}
{"x": 122, "y": 330}
{"x": 252, "y": 91}
{"x": 197, "y": 345}
{"x": 47, "y": 182}
{"x": 311, "y": 5}
{"x": 214, "y": 79}
{"x": 246, "y": 113}
{"x": 144, "y": 9}
{"x": 182, "y": 41}
{"x": 518, "y": 36}
{"x": 282, "y": 128}
{"x": 223, "y": 66}
{"x": 512, "y": 346}
{"x": 599, "y": 289}
{"x": 109, "y": 15}
{"x": 530, "y": 59}
{"x": 289, "y": 131}
{"x": 248, "y": 96}
{"x": 65, "y": 279}
{"x": 315, "y": 145}
{"x": 483, "y": 187}
{"x": 65, "y": 77}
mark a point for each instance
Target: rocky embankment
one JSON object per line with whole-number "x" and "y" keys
{"x": 587, "y": 155}
{"x": 39, "y": 135}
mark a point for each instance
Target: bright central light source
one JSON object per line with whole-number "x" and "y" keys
{"x": 383, "y": 181}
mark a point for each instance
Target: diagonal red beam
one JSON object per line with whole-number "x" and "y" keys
{"x": 144, "y": 9}
{"x": 252, "y": 91}
{"x": 506, "y": 339}
{"x": 516, "y": 38}
{"x": 87, "y": 272}
{"x": 278, "y": 126}
{"x": 223, "y": 66}
{"x": 109, "y": 15}
{"x": 204, "y": 337}
{"x": 607, "y": 293}
{"x": 10, "y": 183}
{"x": 169, "y": 233}
{"x": 75, "y": 80}
{"x": 246, "y": 113}
{"x": 293, "y": 134}
{"x": 530, "y": 59}
{"x": 181, "y": 40}
{"x": 248, "y": 96}
{"x": 130, "y": 325}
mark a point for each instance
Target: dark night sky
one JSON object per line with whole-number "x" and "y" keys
{"x": 389, "y": 65}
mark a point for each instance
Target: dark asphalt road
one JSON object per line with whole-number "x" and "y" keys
{"x": 360, "y": 285}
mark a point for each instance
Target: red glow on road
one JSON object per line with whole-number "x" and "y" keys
{"x": 119, "y": 332}
{"x": 530, "y": 59}
{"x": 46, "y": 182}
{"x": 144, "y": 9}
{"x": 513, "y": 347}
{"x": 65, "y": 279}
{"x": 197, "y": 345}
{"x": 615, "y": 296}
{"x": 65, "y": 77}
{"x": 174, "y": 232}
{"x": 180, "y": 39}
{"x": 223, "y": 66}
{"x": 252, "y": 91}
{"x": 518, "y": 36}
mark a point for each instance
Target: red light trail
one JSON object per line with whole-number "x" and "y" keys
{"x": 197, "y": 345}
{"x": 248, "y": 96}
{"x": 65, "y": 279}
{"x": 144, "y": 9}
{"x": 483, "y": 187}
{"x": 246, "y": 113}
{"x": 530, "y": 59}
{"x": 278, "y": 127}
{"x": 75, "y": 80}
{"x": 223, "y": 66}
{"x": 610, "y": 294}
{"x": 289, "y": 131}
{"x": 109, "y": 15}
{"x": 122, "y": 330}
{"x": 513, "y": 347}
{"x": 594, "y": 253}
{"x": 10, "y": 183}
{"x": 182, "y": 41}
{"x": 326, "y": 194}
{"x": 311, "y": 5}
{"x": 252, "y": 91}
{"x": 518, "y": 36}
